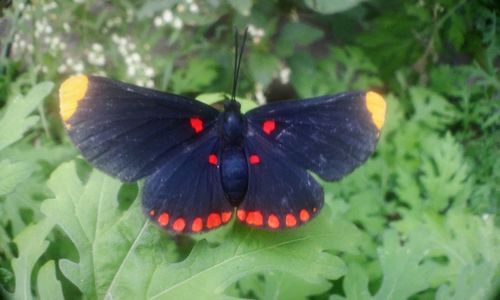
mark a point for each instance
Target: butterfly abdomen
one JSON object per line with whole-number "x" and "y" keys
{"x": 234, "y": 174}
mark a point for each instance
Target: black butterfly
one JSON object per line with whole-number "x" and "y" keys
{"x": 200, "y": 163}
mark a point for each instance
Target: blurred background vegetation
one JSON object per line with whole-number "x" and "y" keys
{"x": 417, "y": 221}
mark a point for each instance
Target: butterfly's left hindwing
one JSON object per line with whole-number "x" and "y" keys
{"x": 129, "y": 131}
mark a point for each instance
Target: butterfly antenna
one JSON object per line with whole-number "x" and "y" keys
{"x": 237, "y": 60}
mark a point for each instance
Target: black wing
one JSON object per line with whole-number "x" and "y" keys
{"x": 185, "y": 194}
{"x": 280, "y": 193}
{"x": 128, "y": 131}
{"x": 329, "y": 135}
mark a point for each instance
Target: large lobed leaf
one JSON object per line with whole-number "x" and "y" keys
{"x": 122, "y": 256}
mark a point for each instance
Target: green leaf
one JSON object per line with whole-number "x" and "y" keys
{"x": 195, "y": 76}
{"x": 288, "y": 287}
{"x": 12, "y": 174}
{"x": 263, "y": 67}
{"x": 16, "y": 119}
{"x": 431, "y": 108}
{"x": 115, "y": 246}
{"x": 31, "y": 244}
{"x": 208, "y": 271}
{"x": 356, "y": 283}
{"x": 49, "y": 287}
{"x": 330, "y": 6}
{"x": 243, "y": 7}
{"x": 212, "y": 98}
{"x": 345, "y": 69}
{"x": 104, "y": 236}
{"x": 456, "y": 31}
{"x": 446, "y": 174}
{"x": 296, "y": 34}
{"x": 404, "y": 273}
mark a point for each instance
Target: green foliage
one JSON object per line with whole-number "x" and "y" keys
{"x": 417, "y": 221}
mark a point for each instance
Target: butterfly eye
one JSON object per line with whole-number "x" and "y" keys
{"x": 196, "y": 124}
{"x": 268, "y": 126}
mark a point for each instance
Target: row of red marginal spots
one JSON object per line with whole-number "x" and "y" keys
{"x": 213, "y": 220}
{"x": 273, "y": 221}
{"x": 196, "y": 123}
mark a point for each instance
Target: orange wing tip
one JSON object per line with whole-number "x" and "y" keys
{"x": 376, "y": 105}
{"x": 72, "y": 90}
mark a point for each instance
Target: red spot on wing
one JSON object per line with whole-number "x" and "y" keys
{"x": 255, "y": 218}
{"x": 196, "y": 124}
{"x": 152, "y": 213}
{"x": 314, "y": 210}
{"x": 163, "y": 219}
{"x": 290, "y": 220}
{"x": 213, "y": 220}
{"x": 273, "y": 222}
{"x": 197, "y": 225}
{"x": 304, "y": 215}
{"x": 254, "y": 159}
{"x": 226, "y": 216}
{"x": 212, "y": 159}
{"x": 179, "y": 225}
{"x": 241, "y": 214}
{"x": 268, "y": 126}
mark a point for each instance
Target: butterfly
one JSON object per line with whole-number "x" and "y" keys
{"x": 202, "y": 166}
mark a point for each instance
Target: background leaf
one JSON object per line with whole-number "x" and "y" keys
{"x": 16, "y": 120}
{"x": 331, "y": 7}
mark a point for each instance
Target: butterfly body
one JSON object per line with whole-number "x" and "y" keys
{"x": 199, "y": 164}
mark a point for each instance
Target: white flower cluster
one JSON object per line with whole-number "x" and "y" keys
{"x": 112, "y": 22}
{"x": 137, "y": 69}
{"x": 71, "y": 65}
{"x": 96, "y": 56}
{"x": 256, "y": 33}
{"x": 168, "y": 17}
{"x": 43, "y": 32}
{"x": 19, "y": 45}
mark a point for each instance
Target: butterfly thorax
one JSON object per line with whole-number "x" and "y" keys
{"x": 233, "y": 123}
